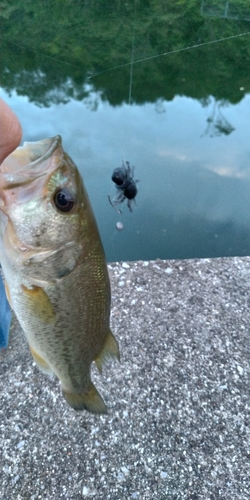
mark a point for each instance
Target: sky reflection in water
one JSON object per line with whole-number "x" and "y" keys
{"x": 193, "y": 190}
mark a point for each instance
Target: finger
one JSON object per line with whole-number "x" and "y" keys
{"x": 10, "y": 130}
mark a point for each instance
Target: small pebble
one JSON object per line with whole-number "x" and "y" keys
{"x": 240, "y": 370}
{"x": 21, "y": 444}
{"x": 168, "y": 270}
{"x": 163, "y": 475}
{"x": 125, "y": 265}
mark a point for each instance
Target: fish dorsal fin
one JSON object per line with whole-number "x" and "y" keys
{"x": 110, "y": 350}
{"x": 90, "y": 400}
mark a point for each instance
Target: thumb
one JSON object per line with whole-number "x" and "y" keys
{"x": 10, "y": 131}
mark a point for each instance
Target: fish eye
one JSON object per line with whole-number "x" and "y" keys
{"x": 64, "y": 200}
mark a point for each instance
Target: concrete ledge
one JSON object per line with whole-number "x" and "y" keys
{"x": 179, "y": 404}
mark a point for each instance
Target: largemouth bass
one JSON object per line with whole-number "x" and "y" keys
{"x": 53, "y": 262}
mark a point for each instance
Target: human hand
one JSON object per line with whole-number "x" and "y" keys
{"x": 10, "y": 137}
{"x": 10, "y": 131}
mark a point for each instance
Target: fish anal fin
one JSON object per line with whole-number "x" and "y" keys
{"x": 110, "y": 350}
{"x": 38, "y": 304}
{"x": 41, "y": 363}
{"x": 90, "y": 400}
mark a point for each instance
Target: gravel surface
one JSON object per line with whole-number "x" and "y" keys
{"x": 178, "y": 425}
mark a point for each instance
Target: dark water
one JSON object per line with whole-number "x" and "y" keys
{"x": 163, "y": 84}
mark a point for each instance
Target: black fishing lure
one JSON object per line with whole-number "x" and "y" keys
{"x": 123, "y": 178}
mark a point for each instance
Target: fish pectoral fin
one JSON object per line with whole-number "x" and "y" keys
{"x": 38, "y": 304}
{"x": 41, "y": 363}
{"x": 89, "y": 400}
{"x": 110, "y": 350}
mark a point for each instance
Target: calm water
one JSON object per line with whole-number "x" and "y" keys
{"x": 162, "y": 85}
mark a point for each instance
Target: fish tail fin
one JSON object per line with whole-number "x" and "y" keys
{"x": 90, "y": 400}
{"x": 109, "y": 350}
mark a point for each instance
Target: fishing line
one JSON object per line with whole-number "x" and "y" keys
{"x": 169, "y": 53}
{"x": 46, "y": 56}
{"x": 60, "y": 31}
{"x": 132, "y": 61}
{"x": 132, "y": 57}
{"x": 112, "y": 240}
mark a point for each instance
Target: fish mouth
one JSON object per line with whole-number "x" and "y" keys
{"x": 31, "y": 154}
{"x": 28, "y": 165}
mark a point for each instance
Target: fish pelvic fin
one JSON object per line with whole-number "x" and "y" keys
{"x": 38, "y": 304}
{"x": 7, "y": 291}
{"x": 41, "y": 363}
{"x": 110, "y": 350}
{"x": 90, "y": 400}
